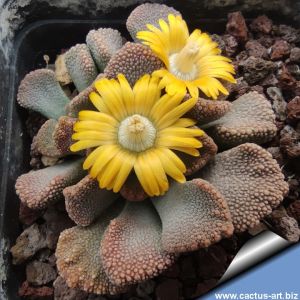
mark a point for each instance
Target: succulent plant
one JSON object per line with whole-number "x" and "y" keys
{"x": 152, "y": 184}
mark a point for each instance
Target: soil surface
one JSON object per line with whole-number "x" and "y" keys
{"x": 267, "y": 60}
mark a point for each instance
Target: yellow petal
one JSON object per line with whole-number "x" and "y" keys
{"x": 103, "y": 158}
{"x": 189, "y": 151}
{"x": 170, "y": 155}
{"x": 91, "y": 158}
{"x": 158, "y": 170}
{"x": 193, "y": 89}
{"x": 152, "y": 95}
{"x": 145, "y": 176}
{"x": 171, "y": 169}
{"x": 111, "y": 170}
{"x": 93, "y": 126}
{"x": 89, "y": 115}
{"x": 176, "y": 86}
{"x": 104, "y": 136}
{"x": 98, "y": 102}
{"x": 127, "y": 93}
{"x": 115, "y": 105}
{"x": 175, "y": 141}
{"x": 128, "y": 161}
{"x": 164, "y": 105}
{"x": 140, "y": 91}
{"x": 184, "y": 122}
{"x": 176, "y": 113}
{"x": 80, "y": 145}
{"x": 180, "y": 132}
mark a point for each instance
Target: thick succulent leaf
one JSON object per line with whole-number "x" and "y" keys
{"x": 251, "y": 119}
{"x": 194, "y": 215}
{"x": 81, "y": 66}
{"x": 62, "y": 135}
{"x": 250, "y": 180}
{"x": 44, "y": 140}
{"x": 37, "y": 189}
{"x": 40, "y": 91}
{"x": 82, "y": 101}
{"x": 133, "y": 60}
{"x": 131, "y": 247}
{"x": 148, "y": 13}
{"x": 206, "y": 111}
{"x": 78, "y": 256}
{"x": 54, "y": 137}
{"x": 103, "y": 44}
{"x": 85, "y": 201}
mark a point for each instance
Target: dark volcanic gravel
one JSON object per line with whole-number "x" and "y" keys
{"x": 266, "y": 57}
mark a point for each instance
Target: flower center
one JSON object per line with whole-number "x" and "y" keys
{"x": 183, "y": 64}
{"x": 136, "y": 133}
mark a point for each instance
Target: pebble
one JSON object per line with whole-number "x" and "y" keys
{"x": 256, "y": 49}
{"x": 293, "y": 110}
{"x": 278, "y": 102}
{"x": 236, "y": 26}
{"x": 261, "y": 24}
{"x": 35, "y": 293}
{"x": 28, "y": 243}
{"x": 256, "y": 69}
{"x": 290, "y": 141}
{"x": 293, "y": 210}
{"x": 63, "y": 292}
{"x": 40, "y": 273}
{"x": 169, "y": 289}
{"x": 295, "y": 55}
{"x": 286, "y": 226}
{"x": 280, "y": 50}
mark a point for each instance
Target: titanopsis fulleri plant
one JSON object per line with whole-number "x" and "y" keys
{"x": 144, "y": 142}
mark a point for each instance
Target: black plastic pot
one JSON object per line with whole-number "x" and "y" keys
{"x": 35, "y": 40}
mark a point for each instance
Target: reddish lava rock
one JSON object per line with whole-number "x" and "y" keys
{"x": 237, "y": 27}
{"x": 63, "y": 292}
{"x": 231, "y": 44}
{"x": 285, "y": 225}
{"x": 288, "y": 82}
{"x": 256, "y": 69}
{"x": 39, "y": 273}
{"x": 256, "y": 49}
{"x": 294, "y": 210}
{"x": 261, "y": 24}
{"x": 204, "y": 287}
{"x": 168, "y": 290}
{"x": 212, "y": 263}
{"x": 288, "y": 33}
{"x": 28, "y": 216}
{"x": 295, "y": 55}
{"x": 280, "y": 50}
{"x": 266, "y": 40}
{"x": 290, "y": 142}
{"x": 293, "y": 109}
{"x": 35, "y": 293}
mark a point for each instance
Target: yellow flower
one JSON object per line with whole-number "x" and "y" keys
{"x": 192, "y": 61}
{"x": 136, "y": 129}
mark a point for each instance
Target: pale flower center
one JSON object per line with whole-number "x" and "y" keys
{"x": 136, "y": 133}
{"x": 183, "y": 64}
